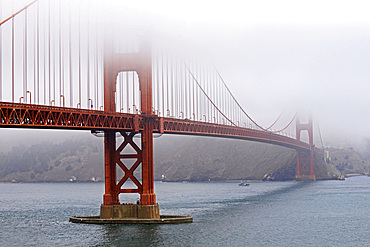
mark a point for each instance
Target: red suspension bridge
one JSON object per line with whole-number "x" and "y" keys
{"x": 63, "y": 67}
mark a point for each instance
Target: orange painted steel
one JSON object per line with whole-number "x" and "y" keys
{"x": 305, "y": 162}
{"x": 15, "y": 115}
{"x": 129, "y": 171}
{"x": 141, "y": 63}
{"x": 188, "y": 127}
{"x": 115, "y": 157}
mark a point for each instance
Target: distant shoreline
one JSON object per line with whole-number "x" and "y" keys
{"x": 184, "y": 181}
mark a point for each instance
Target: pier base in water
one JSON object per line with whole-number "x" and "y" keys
{"x": 131, "y": 214}
{"x": 133, "y": 211}
{"x": 306, "y": 178}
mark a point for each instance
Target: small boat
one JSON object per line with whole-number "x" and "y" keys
{"x": 244, "y": 184}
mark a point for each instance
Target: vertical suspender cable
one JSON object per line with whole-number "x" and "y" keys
{"x": 187, "y": 79}
{"x": 88, "y": 59}
{"x": 176, "y": 113}
{"x": 228, "y": 106}
{"x": 133, "y": 93}
{"x": 60, "y": 50}
{"x": 194, "y": 89}
{"x": 195, "y": 105}
{"x": 163, "y": 114}
{"x": 154, "y": 76}
{"x": 199, "y": 103}
{"x": 180, "y": 69}
{"x": 180, "y": 90}
{"x": 157, "y": 69}
{"x": 1, "y": 53}
{"x": 222, "y": 96}
{"x": 34, "y": 55}
{"x": 36, "y": 66}
{"x": 203, "y": 83}
{"x": 193, "y": 85}
{"x": 120, "y": 77}
{"x": 133, "y": 84}
{"x": 70, "y": 58}
{"x": 183, "y": 81}
{"x": 25, "y": 55}
{"x": 49, "y": 34}
{"x": 45, "y": 57}
{"x": 176, "y": 87}
{"x": 203, "y": 78}
{"x": 213, "y": 85}
{"x": 79, "y": 55}
{"x": 219, "y": 96}
{"x": 97, "y": 57}
{"x": 212, "y": 93}
{"x": 127, "y": 87}
{"x": 122, "y": 91}
{"x": 209, "y": 94}
{"x": 207, "y": 83}
{"x": 232, "y": 109}
{"x": 183, "y": 93}
{"x": 13, "y": 59}
{"x": 221, "y": 92}
{"x": 54, "y": 60}
{"x": 215, "y": 94}
{"x": 156, "y": 64}
{"x": 38, "y": 53}
{"x": 172, "y": 87}
{"x": 179, "y": 86}
{"x": 167, "y": 86}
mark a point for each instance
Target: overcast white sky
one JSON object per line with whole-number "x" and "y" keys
{"x": 283, "y": 55}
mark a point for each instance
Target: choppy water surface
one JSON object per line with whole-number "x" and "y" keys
{"x": 321, "y": 213}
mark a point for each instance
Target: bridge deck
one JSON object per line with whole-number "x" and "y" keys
{"x": 13, "y": 115}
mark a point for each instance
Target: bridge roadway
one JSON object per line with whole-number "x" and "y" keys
{"x": 14, "y": 115}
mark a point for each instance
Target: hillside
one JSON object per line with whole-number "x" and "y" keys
{"x": 177, "y": 158}
{"x": 201, "y": 158}
{"x": 349, "y": 162}
{"x": 47, "y": 162}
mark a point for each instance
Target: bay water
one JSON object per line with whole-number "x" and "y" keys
{"x": 319, "y": 213}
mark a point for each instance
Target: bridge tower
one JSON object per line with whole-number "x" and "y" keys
{"x": 147, "y": 208}
{"x": 305, "y": 161}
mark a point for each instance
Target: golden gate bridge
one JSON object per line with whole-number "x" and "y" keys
{"x": 65, "y": 66}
